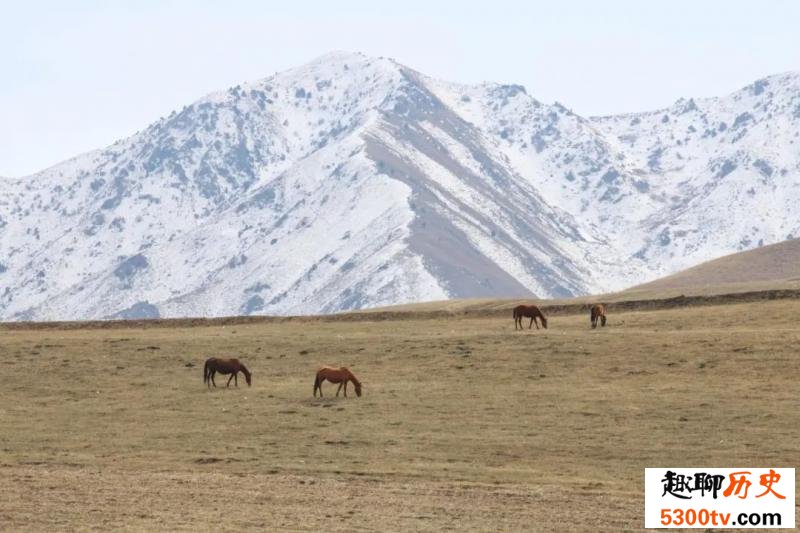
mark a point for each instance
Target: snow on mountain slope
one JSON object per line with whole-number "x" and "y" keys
{"x": 728, "y": 169}
{"x": 354, "y": 181}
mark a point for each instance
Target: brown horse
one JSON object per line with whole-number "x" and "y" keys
{"x": 336, "y": 375}
{"x": 598, "y": 312}
{"x": 530, "y": 311}
{"x": 224, "y": 366}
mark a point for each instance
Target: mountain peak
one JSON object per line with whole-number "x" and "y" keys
{"x": 353, "y": 181}
{"x": 338, "y": 62}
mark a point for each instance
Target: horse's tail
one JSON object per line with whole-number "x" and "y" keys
{"x": 206, "y": 371}
{"x": 317, "y": 383}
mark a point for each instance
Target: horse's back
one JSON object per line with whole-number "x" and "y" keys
{"x": 331, "y": 369}
{"x": 225, "y": 366}
{"x": 334, "y": 374}
{"x": 225, "y": 361}
{"x": 527, "y": 310}
{"x": 522, "y": 309}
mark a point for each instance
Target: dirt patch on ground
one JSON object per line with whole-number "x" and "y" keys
{"x": 59, "y": 498}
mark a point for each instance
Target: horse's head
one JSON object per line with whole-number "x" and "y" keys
{"x": 248, "y": 378}
{"x": 544, "y": 322}
{"x": 358, "y": 388}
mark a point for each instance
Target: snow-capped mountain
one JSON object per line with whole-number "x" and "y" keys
{"x": 354, "y": 182}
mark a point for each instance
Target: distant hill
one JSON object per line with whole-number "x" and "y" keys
{"x": 767, "y": 269}
{"x": 774, "y": 263}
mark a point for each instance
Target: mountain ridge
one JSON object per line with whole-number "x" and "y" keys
{"x": 354, "y": 182}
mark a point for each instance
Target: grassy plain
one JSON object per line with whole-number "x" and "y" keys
{"x": 464, "y": 423}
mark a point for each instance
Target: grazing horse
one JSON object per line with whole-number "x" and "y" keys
{"x": 528, "y": 311}
{"x": 224, "y": 366}
{"x": 336, "y": 375}
{"x": 598, "y": 312}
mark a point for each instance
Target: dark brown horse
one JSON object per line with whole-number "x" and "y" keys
{"x": 530, "y": 311}
{"x": 224, "y": 366}
{"x": 598, "y": 313}
{"x": 336, "y": 375}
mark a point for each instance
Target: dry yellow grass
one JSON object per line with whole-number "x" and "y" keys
{"x": 643, "y": 294}
{"x": 464, "y": 423}
{"x": 765, "y": 265}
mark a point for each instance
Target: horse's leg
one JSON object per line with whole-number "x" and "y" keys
{"x": 236, "y": 378}
{"x": 213, "y": 373}
{"x": 345, "y": 388}
{"x": 229, "y": 380}
{"x": 339, "y": 389}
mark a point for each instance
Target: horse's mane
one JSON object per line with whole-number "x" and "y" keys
{"x": 352, "y": 376}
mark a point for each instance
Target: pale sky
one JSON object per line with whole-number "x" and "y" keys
{"x": 78, "y": 75}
